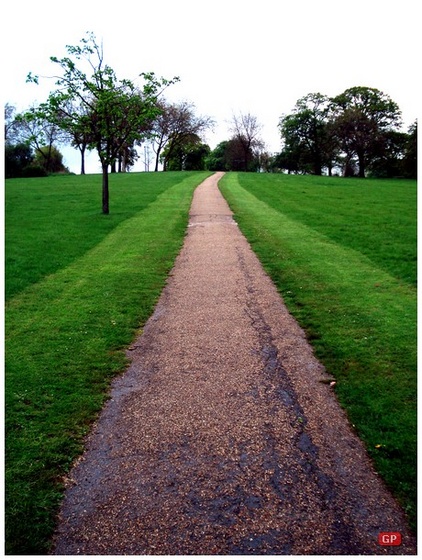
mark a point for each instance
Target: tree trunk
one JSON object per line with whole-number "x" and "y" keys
{"x": 361, "y": 159}
{"x": 122, "y": 162}
{"x": 317, "y": 161}
{"x": 105, "y": 189}
{"x": 82, "y": 150}
{"x": 317, "y": 168}
{"x": 157, "y": 159}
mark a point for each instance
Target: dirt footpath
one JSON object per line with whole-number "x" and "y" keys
{"x": 221, "y": 437}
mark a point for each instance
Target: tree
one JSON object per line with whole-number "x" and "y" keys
{"x": 75, "y": 118}
{"x": 295, "y": 156}
{"x": 17, "y": 160}
{"x": 239, "y": 156}
{"x": 246, "y": 141}
{"x": 110, "y": 113}
{"x": 217, "y": 158}
{"x": 11, "y": 125}
{"x": 265, "y": 161}
{"x": 196, "y": 156}
{"x": 362, "y": 117}
{"x": 50, "y": 159}
{"x": 126, "y": 158}
{"x": 410, "y": 159}
{"x": 388, "y": 160}
{"x": 176, "y": 124}
{"x": 291, "y": 159}
{"x": 188, "y": 155}
{"x": 305, "y": 135}
{"x": 230, "y": 155}
{"x": 41, "y": 134}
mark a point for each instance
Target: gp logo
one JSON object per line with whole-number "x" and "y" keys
{"x": 389, "y": 539}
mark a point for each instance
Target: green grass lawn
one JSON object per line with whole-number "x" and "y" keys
{"x": 79, "y": 286}
{"x": 342, "y": 252}
{"x": 52, "y": 221}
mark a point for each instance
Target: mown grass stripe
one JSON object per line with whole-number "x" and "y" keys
{"x": 65, "y": 339}
{"x": 375, "y": 217}
{"x": 52, "y": 221}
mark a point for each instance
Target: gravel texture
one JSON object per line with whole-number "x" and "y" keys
{"x": 223, "y": 436}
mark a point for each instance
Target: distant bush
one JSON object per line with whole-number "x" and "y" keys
{"x": 17, "y": 158}
{"x": 34, "y": 171}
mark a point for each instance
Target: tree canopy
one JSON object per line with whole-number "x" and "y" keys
{"x": 305, "y": 133}
{"x": 92, "y": 104}
{"x": 356, "y": 131}
{"x": 362, "y": 117}
{"x": 174, "y": 128}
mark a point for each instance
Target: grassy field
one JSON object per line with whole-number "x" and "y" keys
{"x": 342, "y": 252}
{"x": 79, "y": 285}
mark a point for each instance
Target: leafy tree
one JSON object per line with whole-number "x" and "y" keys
{"x": 239, "y": 155}
{"x": 175, "y": 126}
{"x": 362, "y": 117}
{"x": 50, "y": 159}
{"x": 388, "y": 160}
{"x": 230, "y": 155}
{"x": 17, "y": 160}
{"x": 292, "y": 159}
{"x": 188, "y": 155}
{"x": 41, "y": 134}
{"x": 91, "y": 101}
{"x": 296, "y": 156}
{"x": 410, "y": 159}
{"x": 264, "y": 161}
{"x": 305, "y": 133}
{"x": 217, "y": 158}
{"x": 77, "y": 128}
{"x": 126, "y": 158}
{"x": 196, "y": 156}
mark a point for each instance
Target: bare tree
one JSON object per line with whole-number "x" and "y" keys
{"x": 11, "y": 126}
{"x": 147, "y": 156}
{"x": 246, "y": 130}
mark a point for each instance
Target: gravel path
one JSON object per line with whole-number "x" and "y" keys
{"x": 221, "y": 437}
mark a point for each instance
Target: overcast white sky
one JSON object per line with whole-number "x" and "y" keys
{"x": 231, "y": 55}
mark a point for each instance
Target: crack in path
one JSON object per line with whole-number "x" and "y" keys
{"x": 220, "y": 438}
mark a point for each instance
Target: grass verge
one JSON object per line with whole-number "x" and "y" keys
{"x": 354, "y": 298}
{"x": 66, "y": 334}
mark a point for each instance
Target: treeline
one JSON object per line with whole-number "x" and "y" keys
{"x": 356, "y": 133}
{"x": 172, "y": 140}
{"x": 30, "y": 153}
